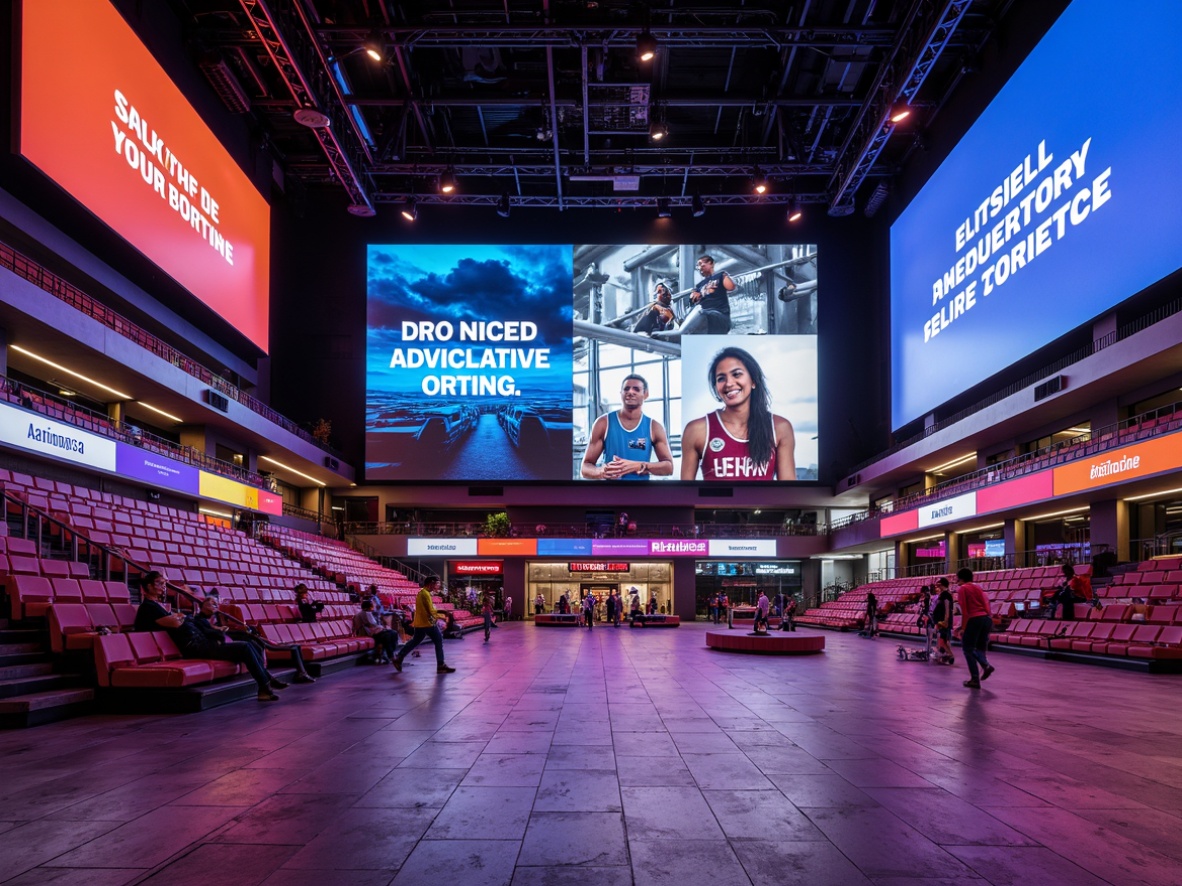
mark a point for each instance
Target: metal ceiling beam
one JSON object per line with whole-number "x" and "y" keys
{"x": 624, "y": 37}
{"x": 539, "y": 167}
{"x": 470, "y": 101}
{"x": 926, "y": 34}
{"x": 345, "y": 160}
{"x": 569, "y": 201}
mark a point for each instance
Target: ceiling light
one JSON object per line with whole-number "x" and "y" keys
{"x": 503, "y": 206}
{"x": 663, "y": 210}
{"x": 953, "y": 463}
{"x": 759, "y": 182}
{"x": 795, "y": 213}
{"x": 280, "y": 464}
{"x": 66, "y": 392}
{"x": 447, "y": 181}
{"x": 167, "y": 415}
{"x": 410, "y": 209}
{"x": 1154, "y": 494}
{"x": 697, "y": 207}
{"x": 899, "y": 113}
{"x": 211, "y": 512}
{"x": 646, "y": 47}
{"x": 657, "y": 130}
{"x": 312, "y": 118}
{"x": 361, "y": 210}
{"x": 1054, "y": 514}
{"x": 98, "y": 384}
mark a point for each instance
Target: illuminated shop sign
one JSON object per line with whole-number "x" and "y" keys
{"x": 596, "y": 566}
{"x": 477, "y": 567}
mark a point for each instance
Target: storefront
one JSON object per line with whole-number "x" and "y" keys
{"x": 475, "y": 577}
{"x": 574, "y": 579}
{"x": 743, "y": 581}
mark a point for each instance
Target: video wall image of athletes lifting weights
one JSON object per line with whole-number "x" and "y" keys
{"x": 629, "y": 363}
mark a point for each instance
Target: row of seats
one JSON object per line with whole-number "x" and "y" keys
{"x": 1150, "y": 641}
{"x": 151, "y": 660}
{"x": 31, "y": 595}
{"x": 75, "y": 626}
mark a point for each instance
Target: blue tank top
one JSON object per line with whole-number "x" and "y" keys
{"x": 634, "y": 445}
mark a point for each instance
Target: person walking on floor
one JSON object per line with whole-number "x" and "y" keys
{"x": 425, "y": 627}
{"x": 975, "y": 624}
{"x": 589, "y": 609}
{"x": 486, "y": 609}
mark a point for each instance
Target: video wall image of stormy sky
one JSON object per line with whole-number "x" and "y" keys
{"x": 468, "y": 362}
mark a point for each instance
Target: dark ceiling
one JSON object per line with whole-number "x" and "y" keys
{"x": 547, "y": 103}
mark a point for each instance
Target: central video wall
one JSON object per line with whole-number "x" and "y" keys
{"x": 592, "y": 363}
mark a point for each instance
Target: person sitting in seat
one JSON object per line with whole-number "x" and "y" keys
{"x": 366, "y": 624}
{"x": 309, "y": 608}
{"x": 193, "y": 642}
{"x": 212, "y": 615}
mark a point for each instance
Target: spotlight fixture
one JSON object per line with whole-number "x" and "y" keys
{"x": 503, "y": 206}
{"x": 361, "y": 210}
{"x": 795, "y": 213}
{"x": 899, "y": 113}
{"x": 657, "y": 130}
{"x": 646, "y": 47}
{"x": 410, "y": 210}
{"x": 374, "y": 47}
{"x": 311, "y": 118}
{"x": 697, "y": 207}
{"x": 447, "y": 181}
{"x": 759, "y": 182}
{"x": 663, "y": 210}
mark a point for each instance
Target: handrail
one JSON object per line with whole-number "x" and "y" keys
{"x": 100, "y": 423}
{"x": 1097, "y": 440}
{"x": 1139, "y": 325}
{"x": 44, "y": 279}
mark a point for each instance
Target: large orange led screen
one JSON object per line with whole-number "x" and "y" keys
{"x": 101, "y": 118}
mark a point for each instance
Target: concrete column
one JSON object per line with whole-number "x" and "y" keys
{"x": 951, "y": 551}
{"x": 902, "y": 558}
{"x": 1110, "y": 526}
{"x": 1015, "y": 536}
{"x": 685, "y": 588}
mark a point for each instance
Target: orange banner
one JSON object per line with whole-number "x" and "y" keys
{"x": 1120, "y": 465}
{"x": 507, "y": 547}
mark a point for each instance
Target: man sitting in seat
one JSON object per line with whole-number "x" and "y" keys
{"x": 193, "y": 642}
{"x": 211, "y": 614}
{"x": 366, "y": 624}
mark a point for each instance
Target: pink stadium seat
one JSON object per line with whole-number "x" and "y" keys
{"x": 93, "y": 590}
{"x": 30, "y": 595}
{"x": 66, "y": 590}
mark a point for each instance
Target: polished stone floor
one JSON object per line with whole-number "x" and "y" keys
{"x": 561, "y": 756}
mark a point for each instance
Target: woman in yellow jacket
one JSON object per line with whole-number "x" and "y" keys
{"x": 424, "y": 627}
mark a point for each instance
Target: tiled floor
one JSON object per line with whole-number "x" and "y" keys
{"x": 559, "y": 756}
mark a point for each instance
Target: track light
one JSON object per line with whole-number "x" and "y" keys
{"x": 410, "y": 210}
{"x": 646, "y": 47}
{"x": 657, "y": 130}
{"x": 759, "y": 182}
{"x": 663, "y": 210}
{"x": 899, "y": 113}
{"x": 697, "y": 207}
{"x": 503, "y": 206}
{"x": 795, "y": 213}
{"x": 447, "y": 182}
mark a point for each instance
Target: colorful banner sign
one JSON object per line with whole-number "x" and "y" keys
{"x": 477, "y": 567}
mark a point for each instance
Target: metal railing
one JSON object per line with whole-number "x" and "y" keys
{"x": 476, "y": 529}
{"x": 1142, "y": 426}
{"x": 1139, "y": 325}
{"x": 51, "y": 405}
{"x": 44, "y": 279}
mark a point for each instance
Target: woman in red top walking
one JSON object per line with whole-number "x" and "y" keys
{"x": 743, "y": 440}
{"x": 976, "y": 622}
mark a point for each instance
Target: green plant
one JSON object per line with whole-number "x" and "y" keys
{"x": 497, "y": 525}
